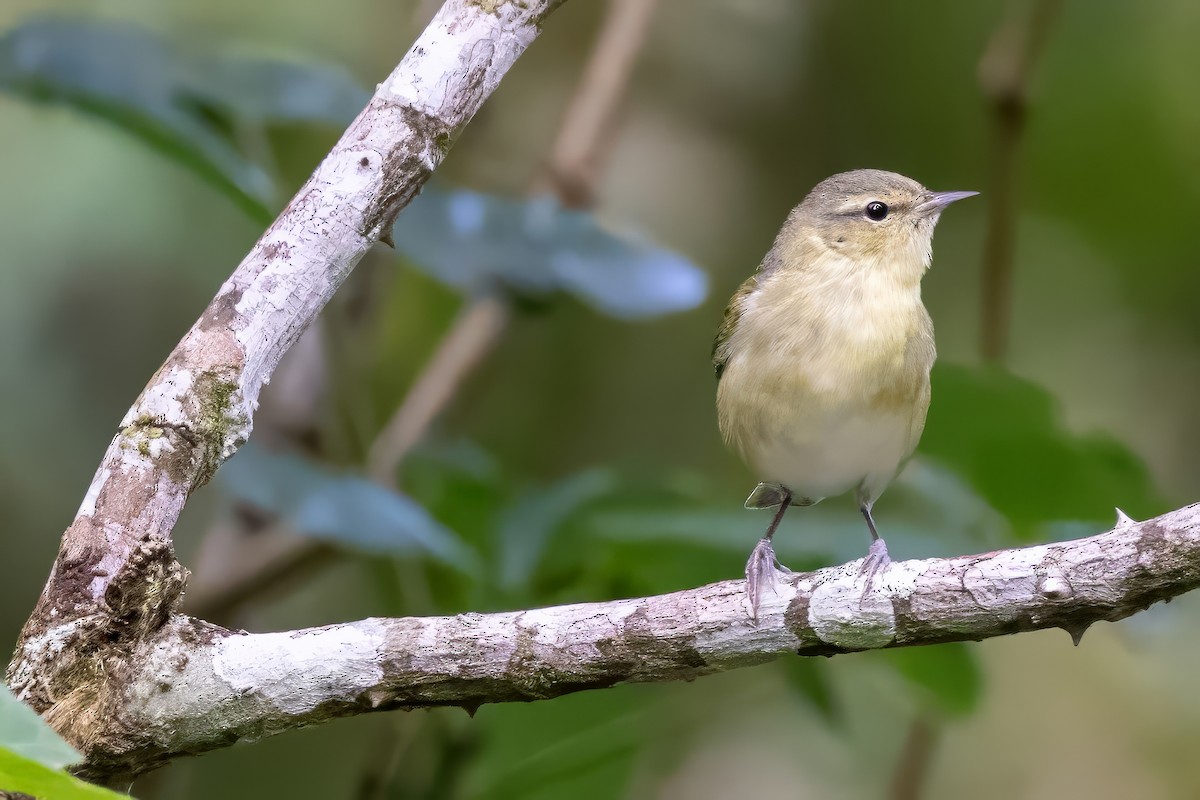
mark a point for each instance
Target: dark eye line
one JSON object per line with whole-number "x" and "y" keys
{"x": 860, "y": 211}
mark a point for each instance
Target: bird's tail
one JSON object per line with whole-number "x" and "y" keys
{"x": 771, "y": 495}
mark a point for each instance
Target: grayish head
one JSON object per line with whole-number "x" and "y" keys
{"x": 871, "y": 215}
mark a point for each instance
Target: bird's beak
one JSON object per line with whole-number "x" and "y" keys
{"x": 936, "y": 201}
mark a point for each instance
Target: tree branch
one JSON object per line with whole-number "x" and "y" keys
{"x": 198, "y": 687}
{"x": 116, "y": 581}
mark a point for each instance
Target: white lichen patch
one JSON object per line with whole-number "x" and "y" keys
{"x": 52, "y": 642}
{"x": 459, "y": 41}
{"x": 549, "y": 626}
{"x": 88, "y": 507}
{"x": 295, "y": 672}
{"x": 160, "y": 401}
{"x": 845, "y": 612}
{"x": 39, "y": 650}
{"x": 354, "y": 171}
{"x": 995, "y": 582}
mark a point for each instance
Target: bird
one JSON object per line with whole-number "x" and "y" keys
{"x": 824, "y": 354}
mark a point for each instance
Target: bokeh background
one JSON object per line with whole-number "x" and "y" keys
{"x": 580, "y": 459}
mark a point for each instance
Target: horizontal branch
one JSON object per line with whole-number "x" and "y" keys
{"x": 200, "y": 687}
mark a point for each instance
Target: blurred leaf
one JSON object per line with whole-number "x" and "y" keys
{"x": 32, "y": 756}
{"x": 461, "y": 484}
{"x": 810, "y": 679}
{"x": 343, "y": 508}
{"x": 578, "y": 746}
{"x": 135, "y": 79}
{"x": 23, "y": 733}
{"x": 187, "y": 104}
{"x": 721, "y": 528}
{"x": 20, "y": 774}
{"x": 470, "y": 240}
{"x": 277, "y": 90}
{"x": 461, "y": 456}
{"x": 928, "y": 511}
{"x": 642, "y": 542}
{"x": 527, "y": 526}
{"x": 947, "y": 675}
{"x": 1005, "y": 435}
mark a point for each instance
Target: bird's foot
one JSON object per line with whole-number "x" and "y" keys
{"x": 874, "y": 564}
{"x": 762, "y": 570}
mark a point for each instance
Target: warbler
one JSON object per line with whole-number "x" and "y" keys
{"x": 824, "y": 354}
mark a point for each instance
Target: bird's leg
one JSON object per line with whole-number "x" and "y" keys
{"x": 877, "y": 554}
{"x": 762, "y": 564}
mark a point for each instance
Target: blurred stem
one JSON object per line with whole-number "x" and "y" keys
{"x": 578, "y": 156}
{"x": 473, "y": 335}
{"x": 589, "y": 124}
{"x": 284, "y": 566}
{"x": 389, "y": 752}
{"x": 1004, "y": 75}
{"x": 912, "y": 766}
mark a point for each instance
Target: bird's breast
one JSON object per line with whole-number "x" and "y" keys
{"x": 827, "y": 383}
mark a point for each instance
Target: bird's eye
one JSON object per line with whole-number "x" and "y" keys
{"x": 876, "y": 210}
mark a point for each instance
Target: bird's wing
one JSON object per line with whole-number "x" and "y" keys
{"x": 733, "y": 313}
{"x": 920, "y": 355}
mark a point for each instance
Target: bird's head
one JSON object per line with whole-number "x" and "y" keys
{"x": 871, "y": 217}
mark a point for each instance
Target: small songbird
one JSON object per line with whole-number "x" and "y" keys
{"x": 824, "y": 354}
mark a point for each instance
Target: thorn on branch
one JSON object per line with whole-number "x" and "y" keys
{"x": 1077, "y": 631}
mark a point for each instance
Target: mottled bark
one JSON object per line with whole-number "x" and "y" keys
{"x": 197, "y": 687}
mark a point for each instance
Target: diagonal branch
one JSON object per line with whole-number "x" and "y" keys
{"x": 116, "y": 579}
{"x": 577, "y": 159}
{"x": 201, "y": 687}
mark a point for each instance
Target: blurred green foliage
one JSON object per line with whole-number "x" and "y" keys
{"x": 19, "y": 774}
{"x": 322, "y": 503}
{"x": 32, "y": 756}
{"x": 582, "y": 462}
{"x": 473, "y": 241}
{"x": 23, "y": 733}
{"x": 1005, "y": 435}
{"x": 202, "y": 109}
{"x": 947, "y": 676}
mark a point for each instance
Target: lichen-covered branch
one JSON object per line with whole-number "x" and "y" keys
{"x": 200, "y": 687}
{"x": 115, "y": 579}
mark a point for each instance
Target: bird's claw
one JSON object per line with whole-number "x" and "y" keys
{"x": 761, "y": 571}
{"x": 876, "y": 561}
